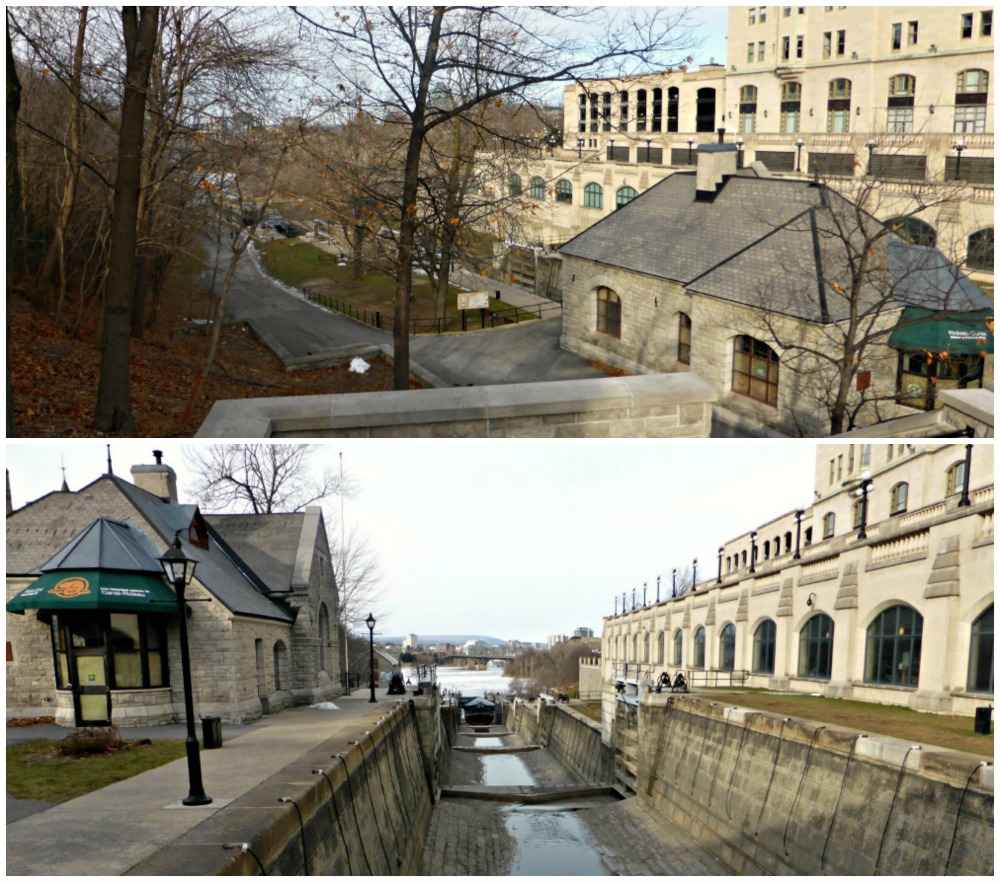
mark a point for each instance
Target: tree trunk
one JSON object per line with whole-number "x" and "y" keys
{"x": 444, "y": 276}
{"x": 114, "y": 400}
{"x": 13, "y": 202}
{"x": 359, "y": 264}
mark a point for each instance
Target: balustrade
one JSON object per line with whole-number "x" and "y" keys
{"x": 894, "y": 549}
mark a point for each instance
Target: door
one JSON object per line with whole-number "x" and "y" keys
{"x": 92, "y": 697}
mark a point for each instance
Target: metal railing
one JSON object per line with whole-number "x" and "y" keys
{"x": 717, "y": 678}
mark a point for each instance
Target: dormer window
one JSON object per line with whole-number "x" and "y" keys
{"x": 198, "y": 531}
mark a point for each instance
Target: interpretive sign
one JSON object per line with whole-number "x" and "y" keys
{"x": 473, "y": 299}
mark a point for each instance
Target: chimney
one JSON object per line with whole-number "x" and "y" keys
{"x": 716, "y": 162}
{"x": 158, "y": 479}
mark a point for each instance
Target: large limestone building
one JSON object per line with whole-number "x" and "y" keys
{"x": 92, "y": 635}
{"x": 883, "y": 596}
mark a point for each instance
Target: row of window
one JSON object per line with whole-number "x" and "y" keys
{"x": 971, "y": 97}
{"x": 593, "y": 194}
{"x": 892, "y": 649}
{"x": 596, "y": 110}
{"x": 967, "y": 22}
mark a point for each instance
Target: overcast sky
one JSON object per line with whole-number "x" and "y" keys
{"x": 516, "y": 539}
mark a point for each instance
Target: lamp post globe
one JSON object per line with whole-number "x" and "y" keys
{"x": 370, "y": 622}
{"x": 179, "y": 570}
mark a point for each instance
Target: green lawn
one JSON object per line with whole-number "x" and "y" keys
{"x": 36, "y": 771}
{"x": 296, "y": 262}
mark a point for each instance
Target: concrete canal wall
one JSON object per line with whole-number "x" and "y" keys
{"x": 773, "y": 795}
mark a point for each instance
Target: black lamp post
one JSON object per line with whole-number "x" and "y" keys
{"x": 871, "y": 145}
{"x": 616, "y": 605}
{"x": 579, "y": 148}
{"x": 633, "y": 598}
{"x": 959, "y": 149}
{"x": 644, "y": 594}
{"x": 648, "y": 142}
{"x": 370, "y": 622}
{"x": 179, "y": 571}
{"x": 739, "y": 153}
{"x": 798, "y": 533}
{"x": 657, "y": 589}
{"x": 964, "y": 500}
{"x": 611, "y": 150}
{"x": 694, "y": 576}
{"x": 753, "y": 549}
{"x": 720, "y": 565}
{"x": 866, "y": 484}
{"x": 798, "y": 158}
{"x": 690, "y": 147}
{"x": 673, "y": 592}
{"x": 623, "y": 603}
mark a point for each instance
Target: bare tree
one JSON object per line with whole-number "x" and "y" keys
{"x": 262, "y": 478}
{"x": 359, "y": 586}
{"x": 13, "y": 199}
{"x": 396, "y": 57}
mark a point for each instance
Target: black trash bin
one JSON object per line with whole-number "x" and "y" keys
{"x": 983, "y": 715}
{"x": 211, "y": 730}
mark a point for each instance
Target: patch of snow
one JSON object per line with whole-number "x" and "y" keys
{"x": 359, "y": 366}
{"x": 325, "y": 705}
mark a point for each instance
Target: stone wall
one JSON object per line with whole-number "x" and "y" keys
{"x": 368, "y": 815}
{"x": 575, "y": 741}
{"x": 772, "y": 795}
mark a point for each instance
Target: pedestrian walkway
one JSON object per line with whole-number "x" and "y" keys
{"x": 111, "y": 830}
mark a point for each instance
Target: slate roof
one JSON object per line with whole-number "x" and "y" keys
{"x": 268, "y": 543}
{"x": 107, "y": 545}
{"x": 769, "y": 243}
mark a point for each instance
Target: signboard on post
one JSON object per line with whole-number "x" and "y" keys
{"x": 473, "y": 299}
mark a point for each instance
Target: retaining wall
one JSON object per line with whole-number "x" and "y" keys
{"x": 367, "y": 815}
{"x": 572, "y": 738}
{"x": 772, "y": 795}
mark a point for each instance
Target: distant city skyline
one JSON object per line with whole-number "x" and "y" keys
{"x": 516, "y": 539}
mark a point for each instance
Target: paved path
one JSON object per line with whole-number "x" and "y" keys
{"x": 113, "y": 829}
{"x": 295, "y": 328}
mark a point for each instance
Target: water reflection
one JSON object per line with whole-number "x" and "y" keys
{"x": 552, "y": 843}
{"x": 489, "y": 742}
{"x": 505, "y": 770}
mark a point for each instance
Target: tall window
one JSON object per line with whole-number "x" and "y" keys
{"x": 727, "y": 648}
{"x": 970, "y": 101}
{"x": 786, "y": 48}
{"x": 564, "y": 192}
{"x": 902, "y": 88}
{"x": 593, "y": 196}
{"x": 979, "y": 254}
{"x": 748, "y": 109}
{"x": 705, "y": 118}
{"x": 897, "y": 36}
{"x": 640, "y": 110}
{"x": 657, "y": 111}
{"x": 966, "y": 27}
{"x": 595, "y": 112}
{"x": 699, "y": 648}
{"x": 841, "y": 42}
{"x": 791, "y": 108}
{"x": 755, "y": 370}
{"x": 897, "y": 503}
{"x": 829, "y": 522}
{"x": 981, "y": 654}
{"x": 956, "y": 478}
{"x": 583, "y": 113}
{"x": 660, "y": 641}
{"x": 750, "y": 52}
{"x": 623, "y": 111}
{"x": 281, "y": 672}
{"x": 816, "y": 648}
{"x": 892, "y": 647}
{"x": 606, "y": 111}
{"x": 678, "y": 658}
{"x": 856, "y": 509}
{"x": 515, "y": 185}
{"x": 609, "y": 312}
{"x": 838, "y": 107}
{"x": 763, "y": 647}
{"x": 912, "y": 29}
{"x": 684, "y": 338}
{"x": 624, "y": 196}
{"x": 537, "y": 188}
{"x": 645, "y": 648}
{"x": 827, "y": 44}
{"x": 673, "y": 108}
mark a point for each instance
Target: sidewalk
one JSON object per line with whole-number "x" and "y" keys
{"x": 109, "y": 831}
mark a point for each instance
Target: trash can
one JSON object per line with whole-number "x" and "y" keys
{"x": 211, "y": 730}
{"x": 983, "y": 715}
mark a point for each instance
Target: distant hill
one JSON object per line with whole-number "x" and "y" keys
{"x": 456, "y": 639}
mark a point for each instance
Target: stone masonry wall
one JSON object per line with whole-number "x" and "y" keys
{"x": 575, "y": 741}
{"x": 772, "y": 795}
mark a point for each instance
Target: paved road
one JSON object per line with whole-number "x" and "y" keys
{"x": 294, "y": 328}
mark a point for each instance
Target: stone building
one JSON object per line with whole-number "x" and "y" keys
{"x": 262, "y": 607}
{"x": 884, "y": 596}
{"x": 898, "y": 93}
{"x": 750, "y": 281}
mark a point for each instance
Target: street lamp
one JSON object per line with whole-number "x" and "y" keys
{"x": 719, "y": 580}
{"x": 739, "y": 153}
{"x": 657, "y": 589}
{"x": 798, "y": 159}
{"x": 673, "y": 592}
{"x": 179, "y": 571}
{"x": 616, "y": 605}
{"x": 959, "y": 148}
{"x": 648, "y": 142}
{"x": 579, "y": 148}
{"x": 611, "y": 150}
{"x": 753, "y": 549}
{"x": 690, "y": 146}
{"x": 871, "y": 145}
{"x": 370, "y": 622}
{"x": 862, "y": 492}
{"x": 798, "y": 533}
{"x": 964, "y": 500}
{"x": 694, "y": 576}
{"x": 644, "y": 594}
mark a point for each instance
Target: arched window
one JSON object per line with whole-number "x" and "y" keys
{"x": 515, "y": 185}
{"x": 856, "y": 510}
{"x": 640, "y": 110}
{"x": 767, "y": 550}
{"x": 281, "y": 679}
{"x": 980, "y": 250}
{"x": 624, "y": 196}
{"x": 791, "y": 108}
{"x": 763, "y": 647}
{"x": 829, "y": 524}
{"x": 635, "y": 647}
{"x": 705, "y": 118}
{"x": 673, "y": 108}
{"x": 899, "y": 116}
{"x": 897, "y": 499}
{"x": 678, "y": 647}
{"x": 645, "y": 647}
{"x": 593, "y": 196}
{"x": 727, "y": 647}
{"x": 699, "y": 648}
{"x": 913, "y": 230}
{"x": 609, "y": 313}
{"x": 981, "y": 654}
{"x": 970, "y": 101}
{"x": 537, "y": 188}
{"x": 661, "y": 640}
{"x": 748, "y": 109}
{"x": 683, "y": 338}
{"x": 892, "y": 647}
{"x": 788, "y": 542}
{"x": 755, "y": 370}
{"x": 838, "y": 107}
{"x": 956, "y": 477}
{"x": 744, "y": 558}
{"x": 816, "y": 648}
{"x": 564, "y": 192}
{"x": 657, "y": 125}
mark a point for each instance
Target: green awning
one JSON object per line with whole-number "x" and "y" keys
{"x": 67, "y": 590}
{"x": 956, "y": 333}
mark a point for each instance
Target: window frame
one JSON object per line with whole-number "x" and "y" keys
{"x": 564, "y": 192}
{"x": 727, "y": 648}
{"x": 885, "y": 637}
{"x": 764, "y": 643}
{"x": 536, "y": 188}
{"x": 683, "y": 338}
{"x": 899, "y": 498}
{"x": 609, "y": 317}
{"x": 698, "y": 661}
{"x": 816, "y": 648}
{"x": 980, "y": 644}
{"x": 590, "y": 191}
{"x": 829, "y": 525}
{"x": 754, "y": 360}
